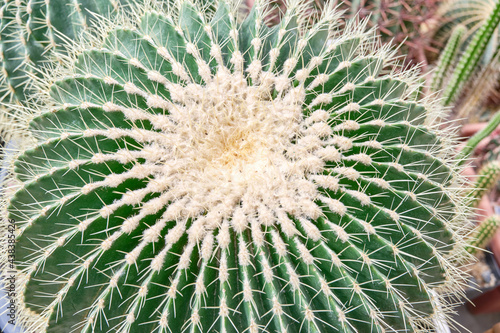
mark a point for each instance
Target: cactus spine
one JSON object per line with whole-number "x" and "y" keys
{"x": 190, "y": 172}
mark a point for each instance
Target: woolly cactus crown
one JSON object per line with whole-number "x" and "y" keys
{"x": 193, "y": 173}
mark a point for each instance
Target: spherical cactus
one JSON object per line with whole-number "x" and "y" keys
{"x": 194, "y": 172}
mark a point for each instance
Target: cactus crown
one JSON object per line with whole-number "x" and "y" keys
{"x": 197, "y": 173}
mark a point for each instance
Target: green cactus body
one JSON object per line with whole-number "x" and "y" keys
{"x": 486, "y": 180}
{"x": 472, "y": 54}
{"x": 32, "y": 30}
{"x": 193, "y": 173}
{"x": 447, "y": 58}
{"x": 471, "y": 14}
{"x": 482, "y": 236}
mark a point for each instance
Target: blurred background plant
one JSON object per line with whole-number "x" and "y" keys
{"x": 471, "y": 14}
{"x": 472, "y": 78}
{"x": 485, "y": 182}
{"x": 403, "y": 23}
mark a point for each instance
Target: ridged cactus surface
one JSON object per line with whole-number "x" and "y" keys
{"x": 32, "y": 30}
{"x": 195, "y": 173}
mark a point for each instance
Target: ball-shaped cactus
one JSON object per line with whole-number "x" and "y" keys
{"x": 193, "y": 172}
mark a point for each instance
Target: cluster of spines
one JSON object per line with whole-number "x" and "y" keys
{"x": 373, "y": 188}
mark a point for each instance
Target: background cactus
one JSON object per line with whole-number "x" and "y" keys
{"x": 191, "y": 172}
{"x": 470, "y": 13}
{"x": 487, "y": 179}
{"x": 483, "y": 234}
{"x": 469, "y": 60}
{"x": 32, "y": 30}
{"x": 474, "y": 141}
{"x": 475, "y": 74}
{"x": 447, "y": 58}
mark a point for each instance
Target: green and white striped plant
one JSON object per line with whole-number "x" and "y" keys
{"x": 469, "y": 61}
{"x": 487, "y": 178}
{"x": 187, "y": 171}
{"x": 470, "y": 13}
{"x": 447, "y": 58}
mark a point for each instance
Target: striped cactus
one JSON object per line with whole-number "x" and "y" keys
{"x": 470, "y": 13}
{"x": 487, "y": 179}
{"x": 447, "y": 58}
{"x": 191, "y": 172}
{"x": 470, "y": 59}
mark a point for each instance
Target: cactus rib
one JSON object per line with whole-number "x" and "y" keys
{"x": 32, "y": 30}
